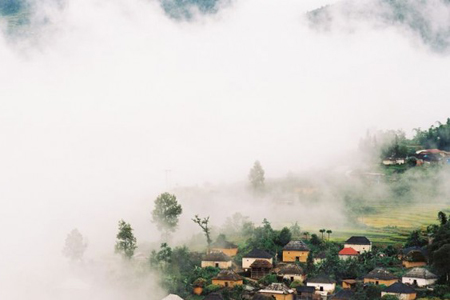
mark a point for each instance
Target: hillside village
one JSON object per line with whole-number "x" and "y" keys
{"x": 313, "y": 267}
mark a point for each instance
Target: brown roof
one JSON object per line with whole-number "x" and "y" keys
{"x": 380, "y": 273}
{"x": 216, "y": 256}
{"x": 228, "y": 275}
{"x": 296, "y": 246}
{"x": 290, "y": 269}
{"x": 261, "y": 263}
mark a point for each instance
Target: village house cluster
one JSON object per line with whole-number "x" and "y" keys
{"x": 258, "y": 263}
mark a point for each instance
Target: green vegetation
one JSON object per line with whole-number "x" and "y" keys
{"x": 165, "y": 214}
{"x": 75, "y": 246}
{"x": 126, "y": 242}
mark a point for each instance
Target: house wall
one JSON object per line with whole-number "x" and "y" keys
{"x": 246, "y": 261}
{"x": 222, "y": 264}
{"x": 401, "y": 296}
{"x": 420, "y": 281}
{"x": 327, "y": 287}
{"x": 413, "y": 264}
{"x": 280, "y": 296}
{"x": 229, "y": 252}
{"x": 345, "y": 257}
{"x": 291, "y": 256}
{"x": 359, "y": 248}
{"x": 380, "y": 282}
{"x": 298, "y": 277}
{"x": 231, "y": 283}
{"x": 346, "y": 285}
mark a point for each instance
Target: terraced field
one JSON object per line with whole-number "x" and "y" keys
{"x": 392, "y": 224}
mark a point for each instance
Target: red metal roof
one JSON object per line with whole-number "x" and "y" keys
{"x": 348, "y": 251}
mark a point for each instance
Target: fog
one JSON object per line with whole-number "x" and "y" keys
{"x": 106, "y": 104}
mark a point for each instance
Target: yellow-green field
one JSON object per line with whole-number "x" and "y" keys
{"x": 392, "y": 224}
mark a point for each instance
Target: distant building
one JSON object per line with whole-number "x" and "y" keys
{"x": 225, "y": 247}
{"x": 348, "y": 283}
{"x": 419, "y": 277}
{"x": 291, "y": 272}
{"x": 260, "y": 268}
{"x": 380, "y": 276}
{"x": 402, "y": 291}
{"x": 295, "y": 251}
{"x": 323, "y": 284}
{"x": 227, "y": 278}
{"x": 348, "y": 253}
{"x": 279, "y": 291}
{"x": 255, "y": 254}
{"x": 359, "y": 243}
{"x": 217, "y": 260}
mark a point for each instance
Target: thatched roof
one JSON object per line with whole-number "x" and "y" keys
{"x": 277, "y": 288}
{"x": 296, "y": 246}
{"x": 214, "y": 296}
{"x": 256, "y": 253}
{"x": 261, "y": 263}
{"x": 420, "y": 273}
{"x": 399, "y": 288}
{"x": 358, "y": 240}
{"x": 381, "y": 274}
{"x": 223, "y": 245}
{"x": 228, "y": 275}
{"x": 216, "y": 256}
{"x": 289, "y": 269}
{"x": 322, "y": 278}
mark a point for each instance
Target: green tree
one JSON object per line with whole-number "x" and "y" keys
{"x": 310, "y": 267}
{"x": 165, "y": 214}
{"x": 306, "y": 234}
{"x": 126, "y": 242}
{"x": 256, "y": 176}
{"x": 161, "y": 259}
{"x": 415, "y": 239}
{"x": 284, "y": 237}
{"x": 315, "y": 240}
{"x": 442, "y": 218}
{"x": 329, "y": 232}
{"x": 322, "y": 231}
{"x": 441, "y": 261}
{"x": 203, "y": 223}
{"x": 75, "y": 246}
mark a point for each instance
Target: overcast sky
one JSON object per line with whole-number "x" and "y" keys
{"x": 99, "y": 101}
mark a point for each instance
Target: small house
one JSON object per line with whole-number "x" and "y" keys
{"x": 419, "y": 277}
{"x": 401, "y": 291}
{"x": 323, "y": 284}
{"x": 380, "y": 276}
{"x": 359, "y": 243}
{"x": 216, "y": 260}
{"x": 291, "y": 272}
{"x": 279, "y": 291}
{"x": 414, "y": 257}
{"x": 225, "y": 247}
{"x": 227, "y": 278}
{"x": 343, "y": 295}
{"x": 260, "y": 268}
{"x": 295, "y": 251}
{"x": 348, "y": 253}
{"x": 253, "y": 255}
{"x": 349, "y": 283}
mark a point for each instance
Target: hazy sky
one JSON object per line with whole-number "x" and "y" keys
{"x": 98, "y": 102}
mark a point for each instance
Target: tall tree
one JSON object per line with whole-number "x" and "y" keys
{"x": 126, "y": 242}
{"x": 165, "y": 214}
{"x": 75, "y": 246}
{"x": 442, "y": 218}
{"x": 329, "y": 232}
{"x": 256, "y": 176}
{"x": 203, "y": 223}
{"x": 322, "y": 231}
{"x": 306, "y": 234}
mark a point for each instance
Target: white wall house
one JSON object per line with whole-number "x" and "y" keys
{"x": 359, "y": 243}
{"x": 322, "y": 284}
{"x": 419, "y": 277}
{"x": 255, "y": 254}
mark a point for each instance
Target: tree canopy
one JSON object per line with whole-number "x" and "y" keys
{"x": 165, "y": 214}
